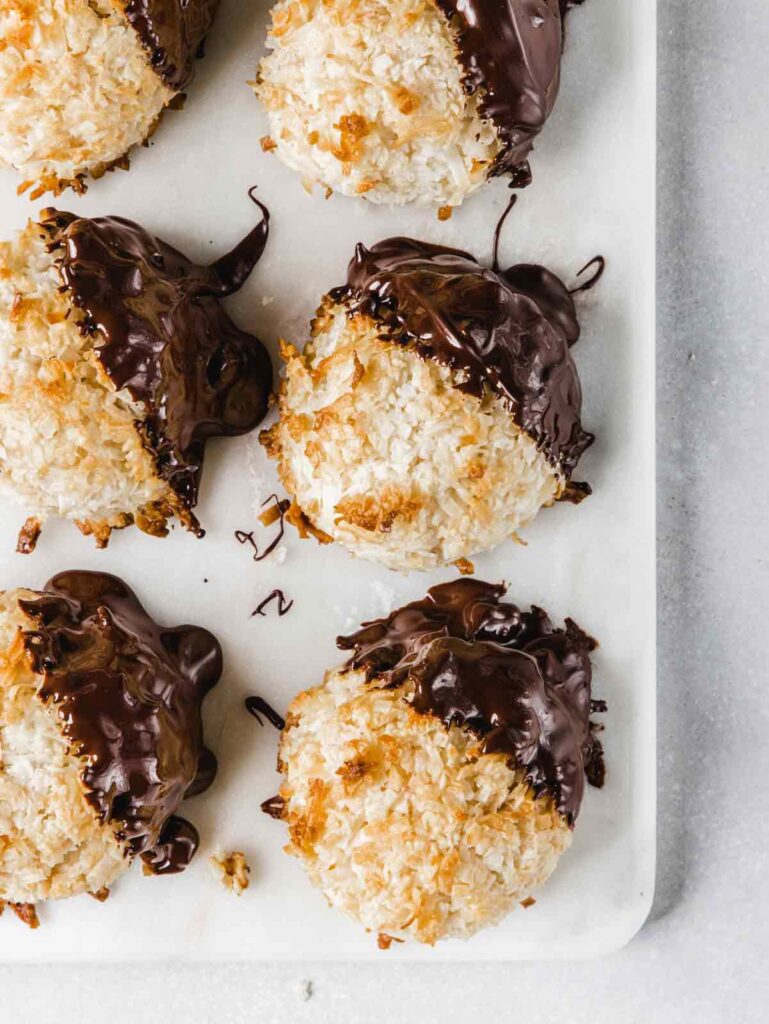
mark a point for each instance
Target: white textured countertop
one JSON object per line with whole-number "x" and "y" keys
{"x": 702, "y": 954}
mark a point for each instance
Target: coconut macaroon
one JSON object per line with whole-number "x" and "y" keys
{"x": 117, "y": 362}
{"x": 435, "y": 409}
{"x": 100, "y": 737}
{"x": 416, "y": 101}
{"x": 432, "y": 783}
{"x": 83, "y": 81}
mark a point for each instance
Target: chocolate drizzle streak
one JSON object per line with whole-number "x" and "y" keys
{"x": 507, "y": 332}
{"x": 258, "y": 706}
{"x": 247, "y": 536}
{"x": 128, "y": 693}
{"x": 160, "y": 332}
{"x": 507, "y": 675}
{"x": 600, "y": 264}
{"x": 172, "y": 32}
{"x": 284, "y": 606}
{"x": 511, "y": 52}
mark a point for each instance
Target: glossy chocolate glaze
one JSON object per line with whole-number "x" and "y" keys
{"x": 172, "y": 32}
{"x": 160, "y": 332}
{"x": 511, "y": 51}
{"x": 507, "y": 675}
{"x": 128, "y": 694}
{"x": 508, "y": 331}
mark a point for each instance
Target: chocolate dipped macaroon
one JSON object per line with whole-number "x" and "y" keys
{"x": 433, "y": 781}
{"x": 416, "y": 101}
{"x": 101, "y": 737}
{"x": 117, "y": 363}
{"x": 435, "y": 408}
{"x": 83, "y": 81}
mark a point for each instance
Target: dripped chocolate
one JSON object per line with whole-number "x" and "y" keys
{"x": 511, "y": 51}
{"x": 128, "y": 694}
{"x": 508, "y": 331}
{"x": 507, "y": 675}
{"x": 160, "y": 332}
{"x": 172, "y": 32}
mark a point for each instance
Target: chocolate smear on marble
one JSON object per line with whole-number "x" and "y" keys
{"x": 128, "y": 695}
{"x": 509, "y": 676}
{"x": 172, "y": 33}
{"x": 510, "y": 51}
{"x": 258, "y": 706}
{"x": 159, "y": 331}
{"x": 506, "y": 333}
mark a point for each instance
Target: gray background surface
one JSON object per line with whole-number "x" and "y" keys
{"x": 702, "y": 954}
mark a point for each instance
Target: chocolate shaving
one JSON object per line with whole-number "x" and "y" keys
{"x": 575, "y": 491}
{"x": 258, "y": 706}
{"x": 274, "y": 807}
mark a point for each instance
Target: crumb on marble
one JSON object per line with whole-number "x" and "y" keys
{"x": 233, "y": 870}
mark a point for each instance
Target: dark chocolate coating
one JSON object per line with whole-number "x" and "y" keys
{"x": 507, "y": 675}
{"x": 160, "y": 332}
{"x": 511, "y": 51}
{"x": 508, "y": 332}
{"x": 172, "y": 33}
{"x": 128, "y": 694}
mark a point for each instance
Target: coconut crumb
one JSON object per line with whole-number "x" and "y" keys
{"x": 29, "y": 535}
{"x": 464, "y": 566}
{"x": 26, "y": 912}
{"x": 233, "y": 871}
